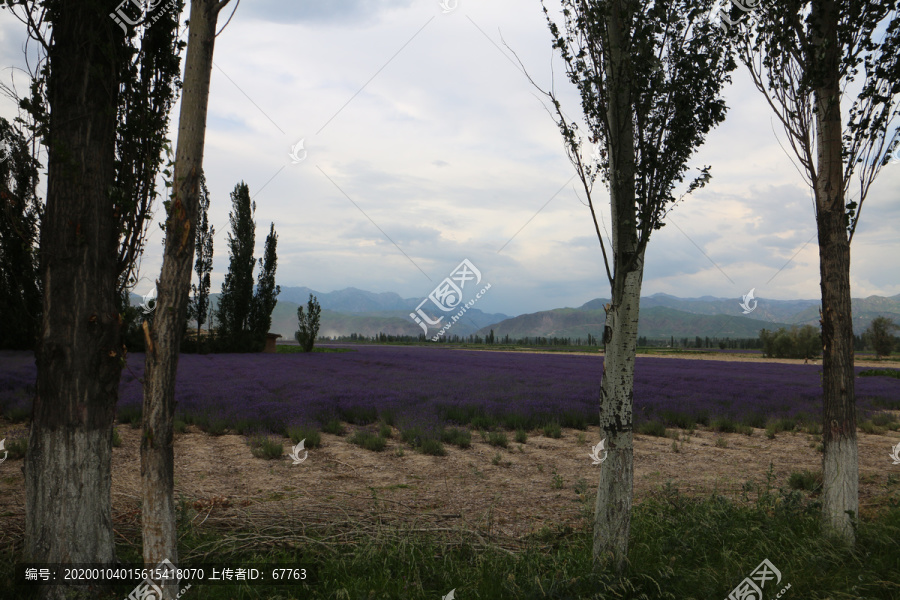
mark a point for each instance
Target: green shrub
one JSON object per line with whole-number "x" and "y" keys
{"x": 116, "y": 438}
{"x": 883, "y": 419}
{"x": 654, "y": 428}
{"x": 130, "y": 415}
{"x": 871, "y": 428}
{"x": 521, "y": 436}
{"x": 433, "y": 447}
{"x": 412, "y": 436}
{"x": 264, "y": 446}
{"x": 216, "y": 427}
{"x": 813, "y": 428}
{"x": 553, "y": 430}
{"x": 358, "y": 415}
{"x": 797, "y": 342}
{"x": 457, "y": 437}
{"x": 496, "y": 460}
{"x": 483, "y": 422}
{"x": 312, "y": 437}
{"x": 498, "y": 438}
{"x": 17, "y": 446}
{"x": 385, "y": 431}
{"x": 368, "y": 440}
{"x": 805, "y": 480}
{"x": 781, "y": 424}
{"x": 721, "y": 442}
{"x": 20, "y": 414}
{"x": 179, "y": 426}
{"x": 557, "y": 481}
{"x": 724, "y": 425}
{"x": 334, "y": 427}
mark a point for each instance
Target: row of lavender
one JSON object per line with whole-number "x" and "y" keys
{"x": 431, "y": 387}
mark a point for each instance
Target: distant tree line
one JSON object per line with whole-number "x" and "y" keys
{"x": 243, "y": 315}
{"x": 796, "y": 342}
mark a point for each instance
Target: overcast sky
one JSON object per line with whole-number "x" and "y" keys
{"x": 424, "y": 144}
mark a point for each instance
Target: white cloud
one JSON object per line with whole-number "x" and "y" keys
{"x": 446, "y": 146}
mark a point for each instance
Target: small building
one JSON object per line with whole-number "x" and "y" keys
{"x": 270, "y": 342}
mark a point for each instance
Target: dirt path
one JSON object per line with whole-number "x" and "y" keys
{"x": 222, "y": 482}
{"x": 724, "y": 356}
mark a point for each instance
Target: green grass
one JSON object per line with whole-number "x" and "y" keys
{"x": 895, "y": 373}
{"x": 805, "y": 480}
{"x": 334, "y": 427}
{"x": 130, "y": 415}
{"x": 654, "y": 428}
{"x": 729, "y": 425}
{"x": 457, "y": 436}
{"x": 18, "y": 414}
{"x": 521, "y": 436}
{"x": 312, "y": 436}
{"x": 871, "y": 428}
{"x": 552, "y": 430}
{"x": 264, "y": 446}
{"x": 116, "y": 438}
{"x": 290, "y": 349}
{"x": 680, "y": 548}
{"x": 498, "y": 438}
{"x": 776, "y": 426}
{"x": 423, "y": 441}
{"x": 433, "y": 447}
{"x": 18, "y": 446}
{"x": 368, "y": 440}
{"x": 216, "y": 427}
{"x": 721, "y": 442}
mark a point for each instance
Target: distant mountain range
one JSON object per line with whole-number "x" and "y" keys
{"x": 352, "y": 310}
{"x": 663, "y": 316}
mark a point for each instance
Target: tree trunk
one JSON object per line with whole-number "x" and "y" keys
{"x": 840, "y": 465}
{"x": 164, "y": 337}
{"x": 612, "y": 514}
{"x": 68, "y": 516}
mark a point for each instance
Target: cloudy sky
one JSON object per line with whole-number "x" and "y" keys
{"x": 424, "y": 144}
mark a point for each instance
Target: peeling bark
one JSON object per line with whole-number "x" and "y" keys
{"x": 164, "y": 336}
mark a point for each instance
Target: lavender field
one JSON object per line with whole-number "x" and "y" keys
{"x": 432, "y": 387}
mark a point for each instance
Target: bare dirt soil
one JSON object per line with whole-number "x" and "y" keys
{"x": 221, "y": 482}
